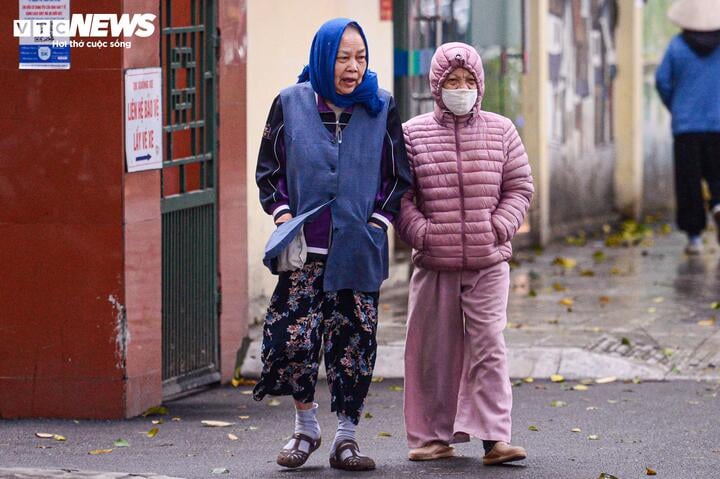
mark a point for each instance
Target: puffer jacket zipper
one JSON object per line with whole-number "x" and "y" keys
{"x": 462, "y": 194}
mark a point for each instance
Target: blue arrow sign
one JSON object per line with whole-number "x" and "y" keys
{"x": 143, "y": 158}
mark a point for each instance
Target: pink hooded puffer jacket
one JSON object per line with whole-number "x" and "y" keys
{"x": 472, "y": 182}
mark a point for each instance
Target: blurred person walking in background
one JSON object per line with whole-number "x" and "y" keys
{"x": 471, "y": 193}
{"x": 688, "y": 81}
{"x": 332, "y": 171}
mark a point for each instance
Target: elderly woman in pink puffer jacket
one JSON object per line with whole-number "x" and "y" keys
{"x": 472, "y": 189}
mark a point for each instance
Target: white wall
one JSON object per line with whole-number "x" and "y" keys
{"x": 279, "y": 38}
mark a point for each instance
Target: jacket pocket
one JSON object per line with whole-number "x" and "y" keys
{"x": 421, "y": 236}
{"x": 358, "y": 258}
{"x": 498, "y": 232}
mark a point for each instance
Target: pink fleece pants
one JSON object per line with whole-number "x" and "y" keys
{"x": 456, "y": 375}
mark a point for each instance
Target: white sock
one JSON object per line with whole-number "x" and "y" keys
{"x": 345, "y": 431}
{"x": 306, "y": 423}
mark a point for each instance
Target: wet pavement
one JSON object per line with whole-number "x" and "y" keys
{"x": 617, "y": 428}
{"x": 583, "y": 309}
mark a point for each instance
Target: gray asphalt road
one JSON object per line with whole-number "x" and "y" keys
{"x": 669, "y": 427}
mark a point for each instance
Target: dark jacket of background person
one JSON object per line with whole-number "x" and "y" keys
{"x": 688, "y": 81}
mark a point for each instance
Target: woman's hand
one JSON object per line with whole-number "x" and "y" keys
{"x": 283, "y": 219}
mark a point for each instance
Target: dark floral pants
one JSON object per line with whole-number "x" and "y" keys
{"x": 300, "y": 318}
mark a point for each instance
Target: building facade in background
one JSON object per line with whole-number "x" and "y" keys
{"x": 121, "y": 289}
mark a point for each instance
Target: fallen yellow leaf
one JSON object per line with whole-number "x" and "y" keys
{"x": 580, "y": 387}
{"x": 233, "y": 437}
{"x": 244, "y": 417}
{"x": 384, "y": 434}
{"x": 533, "y": 428}
{"x": 96, "y": 452}
{"x": 156, "y": 411}
{"x": 558, "y": 404}
{"x": 707, "y": 322}
{"x": 658, "y": 299}
{"x": 44, "y": 435}
{"x": 273, "y": 403}
{"x": 378, "y": 379}
{"x": 241, "y": 381}
{"x": 528, "y": 380}
{"x": 566, "y": 302}
{"x": 158, "y": 421}
{"x": 396, "y": 388}
{"x": 567, "y": 263}
{"x": 153, "y": 432}
{"x": 576, "y": 429}
{"x": 247, "y": 392}
{"x": 557, "y": 378}
{"x": 593, "y": 437}
{"x": 650, "y": 472}
{"x": 58, "y": 437}
{"x": 558, "y": 287}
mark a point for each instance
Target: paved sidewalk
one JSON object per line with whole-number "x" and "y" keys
{"x": 590, "y": 311}
{"x": 36, "y": 473}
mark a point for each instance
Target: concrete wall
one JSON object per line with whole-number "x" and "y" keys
{"x": 658, "y": 157}
{"x": 279, "y": 38}
{"x": 581, "y": 141}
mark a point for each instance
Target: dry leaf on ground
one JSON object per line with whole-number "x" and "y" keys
{"x": 208, "y": 423}
{"x": 576, "y": 429}
{"x": 580, "y": 387}
{"x": 97, "y": 452}
{"x": 44, "y": 435}
{"x": 567, "y": 263}
{"x": 650, "y": 472}
{"x": 606, "y": 380}
{"x": 273, "y": 403}
{"x": 558, "y": 404}
{"x": 121, "y": 443}
{"x": 155, "y": 411}
{"x": 707, "y": 322}
{"x": 593, "y": 437}
{"x": 533, "y": 428}
{"x": 384, "y": 434}
{"x": 557, "y": 378}
{"x": 233, "y": 437}
{"x": 153, "y": 432}
{"x": 567, "y": 302}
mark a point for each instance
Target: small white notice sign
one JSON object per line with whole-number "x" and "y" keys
{"x": 143, "y": 119}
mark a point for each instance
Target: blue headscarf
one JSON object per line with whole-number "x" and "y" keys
{"x": 321, "y": 69}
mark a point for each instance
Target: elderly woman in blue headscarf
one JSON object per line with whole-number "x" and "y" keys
{"x": 332, "y": 170}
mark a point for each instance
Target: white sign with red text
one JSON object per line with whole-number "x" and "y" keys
{"x": 143, "y": 119}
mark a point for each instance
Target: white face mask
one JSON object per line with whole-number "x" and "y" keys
{"x": 460, "y": 101}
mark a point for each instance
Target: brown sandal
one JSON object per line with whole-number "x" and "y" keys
{"x": 352, "y": 461}
{"x": 295, "y": 457}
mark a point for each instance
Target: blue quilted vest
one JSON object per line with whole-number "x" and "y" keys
{"x": 343, "y": 176}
